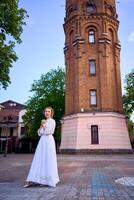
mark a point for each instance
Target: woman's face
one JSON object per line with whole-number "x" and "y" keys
{"x": 48, "y": 113}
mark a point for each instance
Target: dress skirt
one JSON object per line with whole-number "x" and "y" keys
{"x": 44, "y": 165}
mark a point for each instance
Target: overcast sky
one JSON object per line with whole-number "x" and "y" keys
{"x": 43, "y": 42}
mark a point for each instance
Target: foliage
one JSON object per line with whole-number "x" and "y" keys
{"x": 47, "y": 91}
{"x": 128, "y": 98}
{"x": 11, "y": 26}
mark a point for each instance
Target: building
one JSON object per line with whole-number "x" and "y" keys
{"x": 11, "y": 123}
{"x": 94, "y": 119}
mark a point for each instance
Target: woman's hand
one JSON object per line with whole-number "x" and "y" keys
{"x": 43, "y": 125}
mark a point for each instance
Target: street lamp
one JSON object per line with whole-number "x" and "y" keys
{"x": 1, "y": 141}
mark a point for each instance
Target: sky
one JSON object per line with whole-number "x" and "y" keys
{"x": 43, "y": 42}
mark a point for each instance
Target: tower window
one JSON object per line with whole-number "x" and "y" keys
{"x": 94, "y": 134}
{"x": 92, "y": 67}
{"x": 91, "y": 8}
{"x": 71, "y": 37}
{"x": 91, "y": 36}
{"x": 70, "y": 11}
{"x": 93, "y": 97}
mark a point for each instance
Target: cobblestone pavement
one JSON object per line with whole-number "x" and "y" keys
{"x": 82, "y": 177}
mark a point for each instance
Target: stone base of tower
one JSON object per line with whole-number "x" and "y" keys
{"x": 112, "y": 130}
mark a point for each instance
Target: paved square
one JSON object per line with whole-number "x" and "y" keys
{"x": 82, "y": 177}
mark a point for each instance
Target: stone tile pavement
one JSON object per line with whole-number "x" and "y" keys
{"x": 82, "y": 177}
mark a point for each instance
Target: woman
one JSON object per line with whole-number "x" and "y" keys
{"x": 44, "y": 165}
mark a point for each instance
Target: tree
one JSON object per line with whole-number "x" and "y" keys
{"x": 49, "y": 90}
{"x": 128, "y": 97}
{"x": 11, "y": 27}
{"x": 128, "y": 103}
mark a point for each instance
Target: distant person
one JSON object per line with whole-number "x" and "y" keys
{"x": 44, "y": 165}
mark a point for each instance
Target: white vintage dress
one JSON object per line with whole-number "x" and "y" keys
{"x": 44, "y": 165}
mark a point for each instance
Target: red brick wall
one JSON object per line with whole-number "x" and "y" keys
{"x": 105, "y": 51}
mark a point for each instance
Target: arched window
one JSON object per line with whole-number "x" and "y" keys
{"x": 70, "y": 11}
{"x": 91, "y": 8}
{"x": 71, "y": 37}
{"x": 110, "y": 11}
{"x": 91, "y": 36}
{"x": 111, "y": 35}
{"x": 92, "y": 67}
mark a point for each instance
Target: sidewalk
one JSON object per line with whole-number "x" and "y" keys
{"x": 82, "y": 177}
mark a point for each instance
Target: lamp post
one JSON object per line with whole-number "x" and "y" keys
{"x": 9, "y": 118}
{"x": 1, "y": 141}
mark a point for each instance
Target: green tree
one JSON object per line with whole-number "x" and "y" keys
{"x": 128, "y": 103}
{"x": 11, "y": 27}
{"x": 128, "y": 97}
{"x": 49, "y": 90}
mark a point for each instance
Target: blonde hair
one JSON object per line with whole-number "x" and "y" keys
{"x": 50, "y": 108}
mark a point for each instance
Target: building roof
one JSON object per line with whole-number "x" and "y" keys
{"x": 12, "y": 105}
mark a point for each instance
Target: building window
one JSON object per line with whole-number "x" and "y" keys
{"x": 93, "y": 97}
{"x": 11, "y": 132}
{"x": 23, "y": 130}
{"x": 94, "y": 134}
{"x": 12, "y": 104}
{"x": 91, "y": 36}
{"x": 92, "y": 67}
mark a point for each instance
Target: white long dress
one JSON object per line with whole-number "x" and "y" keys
{"x": 44, "y": 165}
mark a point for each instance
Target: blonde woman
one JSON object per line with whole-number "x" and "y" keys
{"x": 44, "y": 165}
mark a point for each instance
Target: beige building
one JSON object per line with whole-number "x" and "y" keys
{"x": 11, "y": 123}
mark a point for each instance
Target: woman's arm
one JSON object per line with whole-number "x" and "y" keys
{"x": 50, "y": 127}
{"x": 39, "y": 132}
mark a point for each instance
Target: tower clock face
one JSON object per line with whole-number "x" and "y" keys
{"x": 90, "y": 8}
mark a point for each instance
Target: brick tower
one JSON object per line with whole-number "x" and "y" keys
{"x": 94, "y": 119}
